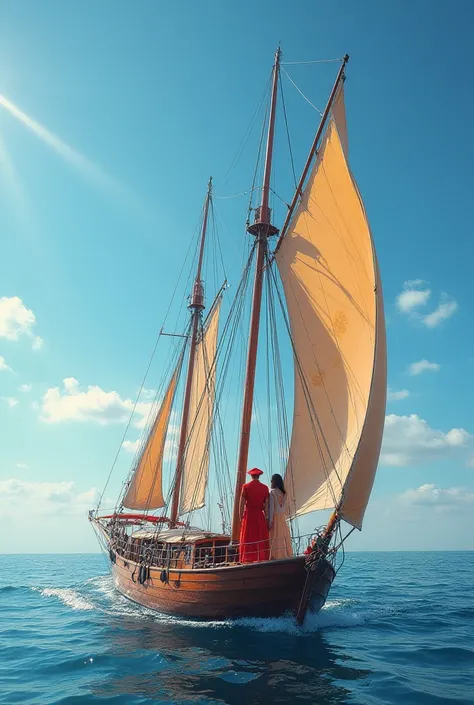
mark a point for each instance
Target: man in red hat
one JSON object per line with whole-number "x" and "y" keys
{"x": 254, "y": 542}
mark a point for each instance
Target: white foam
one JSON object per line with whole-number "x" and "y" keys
{"x": 333, "y": 614}
{"x": 68, "y": 597}
{"x": 340, "y": 613}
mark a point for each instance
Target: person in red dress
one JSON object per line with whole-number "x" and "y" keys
{"x": 254, "y": 541}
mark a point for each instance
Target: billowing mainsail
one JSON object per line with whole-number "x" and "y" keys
{"x": 201, "y": 411}
{"x": 145, "y": 490}
{"x": 329, "y": 271}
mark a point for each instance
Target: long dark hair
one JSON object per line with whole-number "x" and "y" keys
{"x": 277, "y": 483}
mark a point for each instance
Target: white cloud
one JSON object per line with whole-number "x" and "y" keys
{"x": 431, "y": 495}
{"x": 396, "y": 396}
{"x": 93, "y": 404}
{"x": 444, "y": 311}
{"x": 171, "y": 443}
{"x": 409, "y": 440}
{"x": 16, "y": 321}
{"x": 25, "y": 388}
{"x": 37, "y": 343}
{"x": 131, "y": 446}
{"x": 416, "y": 368}
{"x": 415, "y": 295}
{"x": 143, "y": 409}
{"x": 445, "y": 525}
{"x": 45, "y": 498}
{"x": 412, "y": 296}
{"x": 414, "y": 283}
{"x": 148, "y": 394}
{"x": 71, "y": 385}
{"x": 21, "y": 466}
{"x": 15, "y": 318}
{"x": 458, "y": 437}
{"x": 11, "y": 401}
{"x": 3, "y": 365}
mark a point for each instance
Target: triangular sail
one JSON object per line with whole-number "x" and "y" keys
{"x": 145, "y": 490}
{"x": 201, "y": 412}
{"x": 332, "y": 287}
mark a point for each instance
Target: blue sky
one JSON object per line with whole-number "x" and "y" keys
{"x": 141, "y": 103}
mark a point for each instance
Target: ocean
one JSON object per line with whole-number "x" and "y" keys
{"x": 397, "y": 628}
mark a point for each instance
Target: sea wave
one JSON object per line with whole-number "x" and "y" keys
{"x": 69, "y": 597}
{"x": 99, "y": 593}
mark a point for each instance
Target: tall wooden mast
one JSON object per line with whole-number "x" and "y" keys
{"x": 261, "y": 229}
{"x": 196, "y": 306}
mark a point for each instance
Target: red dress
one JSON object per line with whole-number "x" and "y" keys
{"x": 254, "y": 543}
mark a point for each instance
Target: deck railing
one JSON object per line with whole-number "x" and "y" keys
{"x": 154, "y": 553}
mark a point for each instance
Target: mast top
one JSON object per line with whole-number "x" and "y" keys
{"x": 197, "y": 297}
{"x": 262, "y": 225}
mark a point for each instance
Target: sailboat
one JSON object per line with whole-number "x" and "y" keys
{"x": 322, "y": 267}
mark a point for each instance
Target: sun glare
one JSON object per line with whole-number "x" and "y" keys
{"x": 92, "y": 173}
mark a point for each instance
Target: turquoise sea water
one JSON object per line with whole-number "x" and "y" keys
{"x": 397, "y": 628}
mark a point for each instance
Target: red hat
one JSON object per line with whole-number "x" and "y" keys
{"x": 255, "y": 472}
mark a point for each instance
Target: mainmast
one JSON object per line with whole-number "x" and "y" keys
{"x": 262, "y": 229}
{"x": 196, "y": 306}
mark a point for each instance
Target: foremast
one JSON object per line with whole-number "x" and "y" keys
{"x": 196, "y": 307}
{"x": 262, "y": 229}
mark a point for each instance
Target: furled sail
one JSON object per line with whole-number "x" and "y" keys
{"x": 145, "y": 490}
{"x": 330, "y": 276}
{"x": 201, "y": 411}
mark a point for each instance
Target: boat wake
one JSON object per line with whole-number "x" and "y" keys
{"x": 335, "y": 613}
{"x": 99, "y": 594}
{"x": 68, "y": 596}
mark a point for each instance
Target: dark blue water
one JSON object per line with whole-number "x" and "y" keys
{"x": 398, "y": 628}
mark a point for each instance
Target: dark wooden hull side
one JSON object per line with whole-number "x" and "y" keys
{"x": 261, "y": 589}
{"x": 268, "y": 589}
{"x": 320, "y": 586}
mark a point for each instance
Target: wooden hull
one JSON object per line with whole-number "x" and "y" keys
{"x": 266, "y": 589}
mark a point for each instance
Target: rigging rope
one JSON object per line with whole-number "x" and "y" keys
{"x": 316, "y": 61}
{"x": 301, "y": 92}
{"x": 175, "y": 362}
{"x": 247, "y": 133}
{"x": 171, "y": 359}
{"x": 145, "y": 376}
{"x": 257, "y": 162}
{"x": 128, "y": 422}
{"x": 215, "y": 232}
{"x": 239, "y": 195}
{"x": 230, "y": 325}
{"x": 287, "y": 131}
{"x": 314, "y": 417}
{"x": 280, "y": 397}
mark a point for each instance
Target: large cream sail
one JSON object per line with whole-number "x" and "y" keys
{"x": 201, "y": 411}
{"x": 145, "y": 490}
{"x": 332, "y": 287}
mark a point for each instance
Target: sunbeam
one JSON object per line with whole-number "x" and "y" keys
{"x": 13, "y": 185}
{"x": 87, "y": 169}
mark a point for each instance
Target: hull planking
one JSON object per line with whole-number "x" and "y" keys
{"x": 266, "y": 589}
